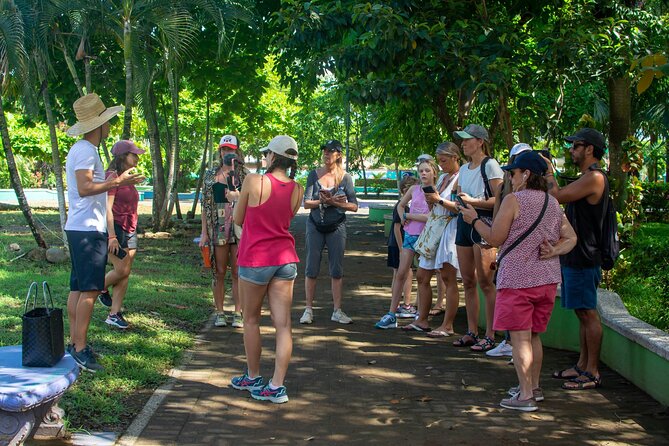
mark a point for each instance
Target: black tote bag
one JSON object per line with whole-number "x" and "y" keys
{"x": 43, "y": 339}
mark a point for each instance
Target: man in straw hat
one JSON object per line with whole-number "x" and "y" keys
{"x": 86, "y": 226}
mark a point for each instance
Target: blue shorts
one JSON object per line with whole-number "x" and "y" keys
{"x": 88, "y": 253}
{"x": 409, "y": 242}
{"x": 579, "y": 287}
{"x": 262, "y": 275}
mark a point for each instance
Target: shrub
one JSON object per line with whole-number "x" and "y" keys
{"x": 641, "y": 276}
{"x": 655, "y": 201}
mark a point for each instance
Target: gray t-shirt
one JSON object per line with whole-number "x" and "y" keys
{"x": 323, "y": 213}
{"x": 85, "y": 213}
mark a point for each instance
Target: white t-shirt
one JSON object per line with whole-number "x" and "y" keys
{"x": 471, "y": 181}
{"x": 85, "y": 213}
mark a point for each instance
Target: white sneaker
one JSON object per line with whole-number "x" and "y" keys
{"x": 502, "y": 349}
{"x": 220, "y": 320}
{"x": 308, "y": 316}
{"x": 341, "y": 317}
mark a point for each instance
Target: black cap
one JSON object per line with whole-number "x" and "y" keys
{"x": 590, "y": 136}
{"x": 531, "y": 161}
{"x": 332, "y": 145}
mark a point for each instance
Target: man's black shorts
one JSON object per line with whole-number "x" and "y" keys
{"x": 88, "y": 252}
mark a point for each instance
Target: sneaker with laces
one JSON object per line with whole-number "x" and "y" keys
{"x": 387, "y": 321}
{"x": 341, "y": 317}
{"x": 537, "y": 394}
{"x": 220, "y": 321}
{"x": 307, "y": 316}
{"x": 237, "y": 320}
{"x": 85, "y": 359}
{"x": 244, "y": 382}
{"x": 514, "y": 403}
{"x": 105, "y": 298}
{"x": 117, "y": 320}
{"x": 406, "y": 312}
{"x": 266, "y": 393}
{"x": 502, "y": 349}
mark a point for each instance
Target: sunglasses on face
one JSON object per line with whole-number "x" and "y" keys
{"x": 576, "y": 145}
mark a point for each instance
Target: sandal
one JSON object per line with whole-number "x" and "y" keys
{"x": 483, "y": 345}
{"x": 436, "y": 311}
{"x": 560, "y": 374}
{"x": 416, "y": 327}
{"x": 584, "y": 381}
{"x": 468, "y": 339}
{"x": 439, "y": 334}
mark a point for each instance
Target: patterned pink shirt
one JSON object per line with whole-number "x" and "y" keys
{"x": 521, "y": 267}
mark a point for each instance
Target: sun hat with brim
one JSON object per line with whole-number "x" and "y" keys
{"x": 282, "y": 145}
{"x": 91, "y": 113}
{"x": 531, "y": 161}
{"x": 126, "y": 146}
{"x": 472, "y": 131}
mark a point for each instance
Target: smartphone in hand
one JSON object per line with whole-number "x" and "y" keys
{"x": 460, "y": 201}
{"x": 429, "y": 190}
{"x": 121, "y": 253}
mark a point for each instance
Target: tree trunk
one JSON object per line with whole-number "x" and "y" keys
{"x": 87, "y": 73}
{"x": 666, "y": 159}
{"x": 55, "y": 155}
{"x": 158, "y": 171}
{"x": 505, "y": 121}
{"x": 652, "y": 169}
{"x": 173, "y": 165}
{"x": 442, "y": 113}
{"x": 127, "y": 60}
{"x": 203, "y": 163}
{"x": 620, "y": 112}
{"x": 70, "y": 65}
{"x": 15, "y": 181}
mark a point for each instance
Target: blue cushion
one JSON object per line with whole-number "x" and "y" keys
{"x": 22, "y": 388}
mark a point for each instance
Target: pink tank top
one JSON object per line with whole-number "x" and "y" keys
{"x": 418, "y": 206}
{"x": 266, "y": 240}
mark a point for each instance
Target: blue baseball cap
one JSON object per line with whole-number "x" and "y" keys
{"x": 531, "y": 161}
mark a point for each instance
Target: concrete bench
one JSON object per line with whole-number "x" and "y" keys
{"x": 29, "y": 396}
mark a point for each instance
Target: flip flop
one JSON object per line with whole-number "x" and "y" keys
{"x": 436, "y": 311}
{"x": 560, "y": 374}
{"x": 414, "y": 327}
{"x": 439, "y": 334}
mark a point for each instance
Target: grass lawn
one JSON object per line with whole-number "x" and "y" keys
{"x": 167, "y": 304}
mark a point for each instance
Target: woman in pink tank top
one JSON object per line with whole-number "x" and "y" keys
{"x": 267, "y": 263}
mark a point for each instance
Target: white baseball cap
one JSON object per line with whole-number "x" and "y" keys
{"x": 519, "y": 148}
{"x": 229, "y": 141}
{"x": 282, "y": 145}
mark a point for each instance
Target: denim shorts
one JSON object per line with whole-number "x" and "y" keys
{"x": 127, "y": 240}
{"x": 88, "y": 253}
{"x": 262, "y": 275}
{"x": 579, "y": 287}
{"x": 409, "y": 242}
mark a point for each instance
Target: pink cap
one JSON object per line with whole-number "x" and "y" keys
{"x": 125, "y": 146}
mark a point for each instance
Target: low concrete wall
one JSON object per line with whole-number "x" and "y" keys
{"x": 631, "y": 347}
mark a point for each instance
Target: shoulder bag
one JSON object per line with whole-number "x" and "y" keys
{"x": 430, "y": 237}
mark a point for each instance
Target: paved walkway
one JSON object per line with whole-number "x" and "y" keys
{"x": 357, "y": 385}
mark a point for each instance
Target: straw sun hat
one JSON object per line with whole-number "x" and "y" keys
{"x": 91, "y": 114}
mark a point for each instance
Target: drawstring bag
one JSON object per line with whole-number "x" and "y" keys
{"x": 43, "y": 337}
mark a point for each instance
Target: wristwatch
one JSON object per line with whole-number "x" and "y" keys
{"x": 441, "y": 202}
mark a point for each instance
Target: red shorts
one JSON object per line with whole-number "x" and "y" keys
{"x": 525, "y": 308}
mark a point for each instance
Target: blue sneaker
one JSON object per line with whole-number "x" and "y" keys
{"x": 85, "y": 359}
{"x": 277, "y": 395}
{"x": 387, "y": 321}
{"x": 406, "y": 312}
{"x": 245, "y": 383}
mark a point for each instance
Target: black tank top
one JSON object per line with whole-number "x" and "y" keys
{"x": 587, "y": 220}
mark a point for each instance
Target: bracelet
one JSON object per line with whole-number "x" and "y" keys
{"x": 111, "y": 237}
{"x": 474, "y": 221}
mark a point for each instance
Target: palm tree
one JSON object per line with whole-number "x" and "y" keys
{"x": 12, "y": 65}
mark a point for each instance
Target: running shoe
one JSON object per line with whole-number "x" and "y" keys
{"x": 308, "y": 316}
{"x": 341, "y": 317}
{"x": 387, "y": 321}
{"x": 245, "y": 383}
{"x": 117, "y": 320}
{"x": 406, "y": 312}
{"x": 267, "y": 393}
{"x": 105, "y": 298}
{"x": 537, "y": 394}
{"x": 220, "y": 320}
{"x": 237, "y": 320}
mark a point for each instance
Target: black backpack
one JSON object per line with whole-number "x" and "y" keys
{"x": 609, "y": 244}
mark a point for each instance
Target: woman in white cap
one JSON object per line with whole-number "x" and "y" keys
{"x": 220, "y": 191}
{"x": 122, "y": 219}
{"x": 86, "y": 226}
{"x": 268, "y": 264}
